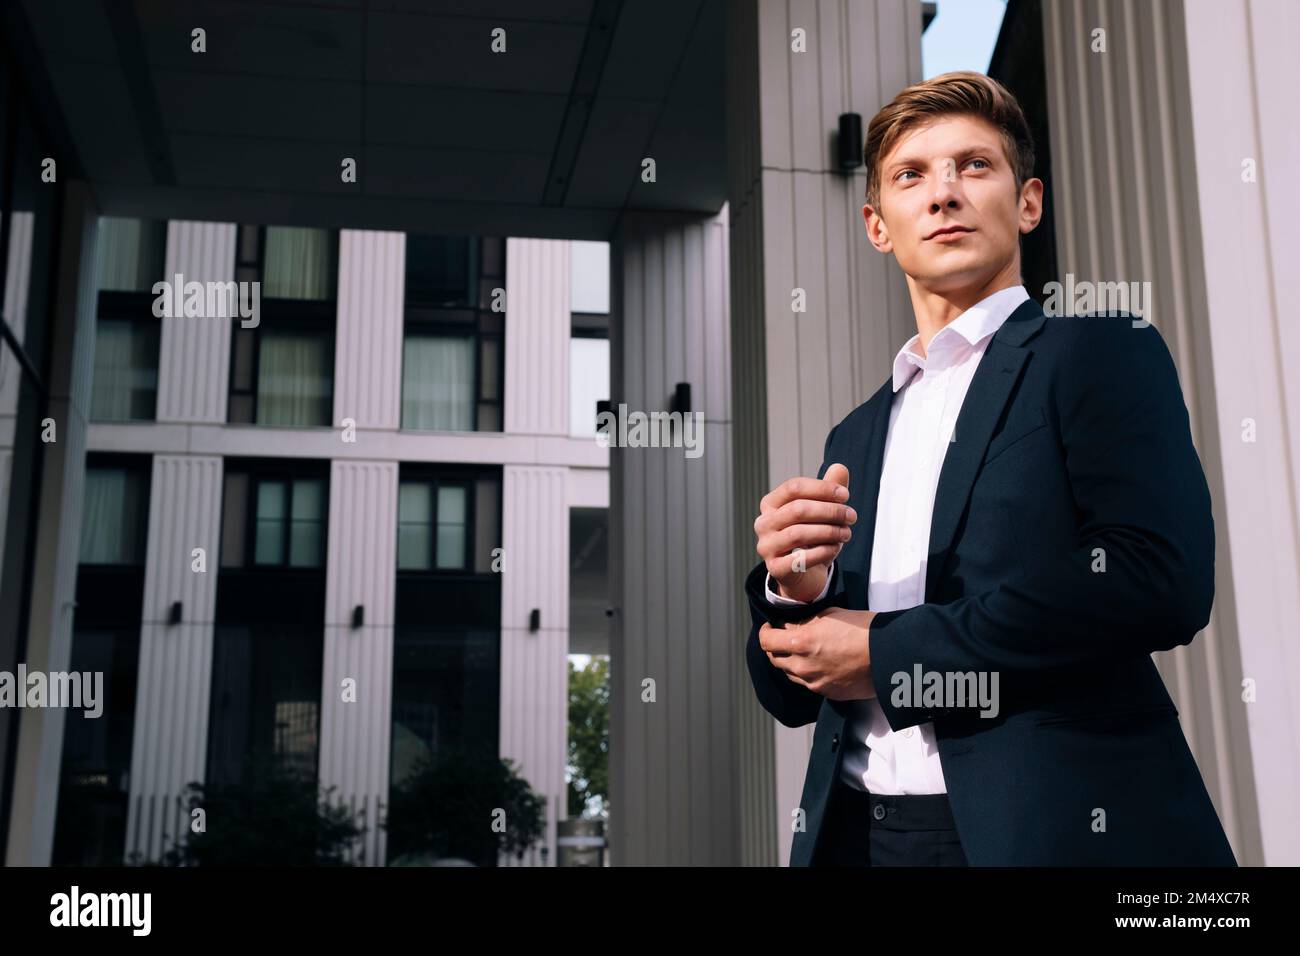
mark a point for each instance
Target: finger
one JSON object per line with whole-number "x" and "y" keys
{"x": 837, "y": 474}
{"x": 781, "y": 543}
{"x": 793, "y": 488}
{"x": 775, "y": 640}
{"x": 782, "y": 567}
{"x": 807, "y": 511}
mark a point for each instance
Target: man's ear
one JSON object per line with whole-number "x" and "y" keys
{"x": 877, "y": 231}
{"x": 1031, "y": 205}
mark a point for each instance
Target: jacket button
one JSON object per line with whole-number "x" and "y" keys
{"x": 835, "y": 742}
{"x": 879, "y": 812}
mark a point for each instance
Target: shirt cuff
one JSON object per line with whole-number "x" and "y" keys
{"x": 775, "y": 598}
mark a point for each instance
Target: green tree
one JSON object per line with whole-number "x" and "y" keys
{"x": 588, "y": 769}
{"x": 447, "y": 806}
{"x": 277, "y": 818}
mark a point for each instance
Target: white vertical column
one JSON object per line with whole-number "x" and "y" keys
{"x": 170, "y": 738}
{"x": 538, "y": 328}
{"x": 1150, "y": 146}
{"x": 674, "y": 764}
{"x": 368, "y": 346}
{"x": 534, "y": 669}
{"x": 796, "y": 223}
{"x": 194, "y": 353}
{"x": 1245, "y": 365}
{"x": 361, "y": 569}
{"x": 54, "y": 574}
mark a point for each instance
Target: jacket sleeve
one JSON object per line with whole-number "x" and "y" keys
{"x": 792, "y": 704}
{"x": 1143, "y": 507}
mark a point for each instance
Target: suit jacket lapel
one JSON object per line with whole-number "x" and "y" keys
{"x": 990, "y": 388}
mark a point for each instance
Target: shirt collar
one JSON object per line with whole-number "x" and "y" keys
{"x": 975, "y": 324}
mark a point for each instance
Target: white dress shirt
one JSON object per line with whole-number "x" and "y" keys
{"x": 928, "y": 394}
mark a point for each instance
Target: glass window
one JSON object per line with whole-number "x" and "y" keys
{"x": 269, "y": 548}
{"x": 438, "y": 382}
{"x": 298, "y": 263}
{"x": 414, "y": 526}
{"x": 288, "y": 521}
{"x": 113, "y": 517}
{"x": 307, "y": 518}
{"x": 125, "y": 382}
{"x": 282, "y": 370}
{"x": 452, "y": 520}
{"x": 293, "y": 381}
{"x": 130, "y": 254}
{"x": 441, "y": 270}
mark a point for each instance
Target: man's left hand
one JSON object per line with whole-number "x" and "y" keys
{"x": 829, "y": 654}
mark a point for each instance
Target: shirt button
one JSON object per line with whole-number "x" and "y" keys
{"x": 907, "y": 732}
{"x": 835, "y": 743}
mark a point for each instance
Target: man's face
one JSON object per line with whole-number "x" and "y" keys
{"x": 949, "y": 209}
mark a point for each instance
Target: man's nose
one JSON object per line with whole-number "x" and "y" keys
{"x": 946, "y": 190}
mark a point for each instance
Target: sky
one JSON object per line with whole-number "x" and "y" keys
{"x": 962, "y": 36}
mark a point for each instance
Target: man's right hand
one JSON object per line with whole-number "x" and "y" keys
{"x": 803, "y": 524}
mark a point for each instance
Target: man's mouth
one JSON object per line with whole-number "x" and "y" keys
{"x": 949, "y": 232}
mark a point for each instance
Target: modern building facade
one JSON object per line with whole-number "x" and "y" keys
{"x": 313, "y": 540}
{"x": 698, "y": 140}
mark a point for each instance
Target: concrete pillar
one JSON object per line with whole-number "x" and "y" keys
{"x": 194, "y": 351}
{"x": 361, "y": 569}
{"x": 535, "y": 527}
{"x": 1151, "y": 139}
{"x": 796, "y": 223}
{"x": 368, "y": 344}
{"x": 170, "y": 736}
{"x": 673, "y": 762}
{"x": 49, "y": 640}
{"x": 534, "y": 673}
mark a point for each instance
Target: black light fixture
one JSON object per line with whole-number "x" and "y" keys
{"x": 850, "y": 142}
{"x": 358, "y": 616}
{"x": 603, "y": 405}
{"x": 681, "y": 398}
{"x": 174, "y": 616}
{"x": 535, "y": 619}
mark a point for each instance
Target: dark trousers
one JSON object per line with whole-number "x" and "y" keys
{"x": 867, "y": 829}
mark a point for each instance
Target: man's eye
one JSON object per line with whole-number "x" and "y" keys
{"x": 985, "y": 162}
{"x": 905, "y": 172}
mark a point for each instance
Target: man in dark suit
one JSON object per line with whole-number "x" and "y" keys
{"x": 966, "y": 597}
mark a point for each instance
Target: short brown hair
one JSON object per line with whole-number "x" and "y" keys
{"x": 961, "y": 92}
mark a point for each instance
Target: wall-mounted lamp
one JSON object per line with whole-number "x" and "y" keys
{"x": 602, "y": 406}
{"x": 850, "y": 142}
{"x": 174, "y": 615}
{"x": 358, "y": 616}
{"x": 681, "y": 398}
{"x": 535, "y": 619}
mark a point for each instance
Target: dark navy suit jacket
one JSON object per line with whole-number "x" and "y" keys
{"x": 1072, "y": 446}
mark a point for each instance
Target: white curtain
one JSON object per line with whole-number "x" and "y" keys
{"x": 129, "y": 252}
{"x": 109, "y": 518}
{"x": 292, "y": 386}
{"x": 114, "y": 375}
{"x": 297, "y": 264}
{"x": 438, "y": 383}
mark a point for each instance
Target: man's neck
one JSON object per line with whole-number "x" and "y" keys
{"x": 935, "y": 310}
